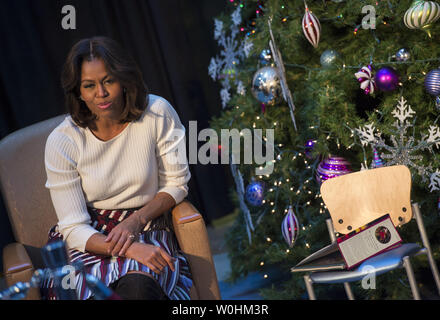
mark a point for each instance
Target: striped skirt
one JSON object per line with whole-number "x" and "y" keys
{"x": 176, "y": 284}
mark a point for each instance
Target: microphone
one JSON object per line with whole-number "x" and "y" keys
{"x": 55, "y": 258}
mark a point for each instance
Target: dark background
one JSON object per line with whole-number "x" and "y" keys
{"x": 172, "y": 41}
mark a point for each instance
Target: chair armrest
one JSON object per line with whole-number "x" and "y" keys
{"x": 192, "y": 236}
{"x": 18, "y": 267}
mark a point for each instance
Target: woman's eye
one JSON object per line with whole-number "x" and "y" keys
{"x": 88, "y": 86}
{"x": 110, "y": 81}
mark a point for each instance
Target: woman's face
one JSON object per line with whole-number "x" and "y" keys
{"x": 102, "y": 93}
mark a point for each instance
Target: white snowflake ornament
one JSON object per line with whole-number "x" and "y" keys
{"x": 224, "y": 66}
{"x": 404, "y": 149}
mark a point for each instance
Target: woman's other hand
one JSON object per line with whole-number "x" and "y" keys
{"x": 123, "y": 235}
{"x": 151, "y": 256}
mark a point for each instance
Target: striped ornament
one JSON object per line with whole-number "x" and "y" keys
{"x": 432, "y": 82}
{"x": 421, "y": 15}
{"x": 311, "y": 27}
{"x": 366, "y": 79}
{"x": 290, "y": 227}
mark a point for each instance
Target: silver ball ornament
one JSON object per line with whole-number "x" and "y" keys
{"x": 266, "y": 86}
{"x": 328, "y": 58}
{"x": 403, "y": 55}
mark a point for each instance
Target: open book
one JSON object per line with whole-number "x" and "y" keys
{"x": 350, "y": 250}
{"x": 328, "y": 258}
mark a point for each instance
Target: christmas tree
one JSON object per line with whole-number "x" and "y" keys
{"x": 345, "y": 86}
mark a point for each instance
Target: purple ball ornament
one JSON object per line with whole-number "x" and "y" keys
{"x": 255, "y": 193}
{"x": 332, "y": 167}
{"x": 290, "y": 227}
{"x": 386, "y": 79}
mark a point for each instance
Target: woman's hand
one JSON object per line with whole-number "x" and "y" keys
{"x": 123, "y": 235}
{"x": 152, "y": 256}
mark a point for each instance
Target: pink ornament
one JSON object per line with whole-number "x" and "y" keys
{"x": 365, "y": 77}
{"x": 290, "y": 227}
{"x": 311, "y": 27}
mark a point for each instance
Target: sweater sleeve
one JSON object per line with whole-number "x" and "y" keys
{"x": 64, "y": 184}
{"x": 173, "y": 167}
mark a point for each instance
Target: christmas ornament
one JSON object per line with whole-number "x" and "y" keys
{"x": 328, "y": 58}
{"x": 332, "y": 167}
{"x": 365, "y": 77}
{"x": 432, "y": 82}
{"x": 403, "y": 55}
{"x": 404, "y": 148}
{"x": 255, "y": 193}
{"x": 266, "y": 85}
{"x": 386, "y": 79}
{"x": 290, "y": 227}
{"x": 377, "y": 161}
{"x": 310, "y": 144}
{"x": 265, "y": 57}
{"x": 287, "y": 95}
{"x": 311, "y": 27}
{"x": 421, "y": 15}
{"x": 432, "y": 85}
{"x": 223, "y": 67}
{"x": 438, "y": 205}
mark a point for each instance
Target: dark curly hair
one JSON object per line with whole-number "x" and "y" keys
{"x": 118, "y": 64}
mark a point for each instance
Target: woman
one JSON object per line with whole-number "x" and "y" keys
{"x": 110, "y": 179}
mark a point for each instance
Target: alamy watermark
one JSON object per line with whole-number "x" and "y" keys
{"x": 369, "y": 21}
{"x": 232, "y": 146}
{"x": 69, "y": 20}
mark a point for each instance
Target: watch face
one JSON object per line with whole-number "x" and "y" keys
{"x": 383, "y": 235}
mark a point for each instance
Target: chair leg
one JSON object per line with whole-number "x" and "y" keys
{"x": 309, "y": 287}
{"x": 348, "y": 291}
{"x": 426, "y": 244}
{"x": 411, "y": 278}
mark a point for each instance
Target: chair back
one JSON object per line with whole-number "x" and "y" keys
{"x": 22, "y": 180}
{"x": 358, "y": 198}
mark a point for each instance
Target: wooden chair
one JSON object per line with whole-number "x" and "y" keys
{"x": 358, "y": 198}
{"x": 31, "y": 214}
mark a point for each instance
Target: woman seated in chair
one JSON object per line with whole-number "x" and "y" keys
{"x": 114, "y": 173}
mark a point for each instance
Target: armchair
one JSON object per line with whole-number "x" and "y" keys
{"x": 31, "y": 214}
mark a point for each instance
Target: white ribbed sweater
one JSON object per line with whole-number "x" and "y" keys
{"x": 124, "y": 172}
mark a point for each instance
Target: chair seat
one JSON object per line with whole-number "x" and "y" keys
{"x": 381, "y": 263}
